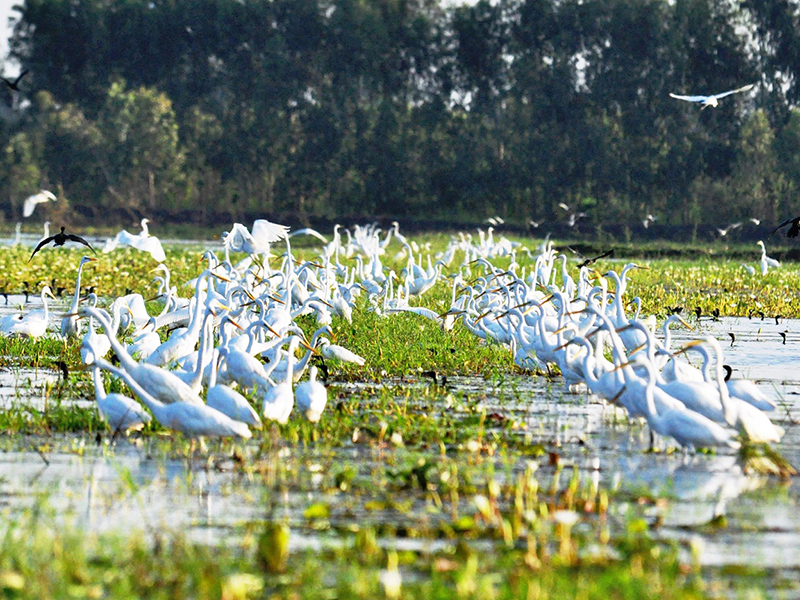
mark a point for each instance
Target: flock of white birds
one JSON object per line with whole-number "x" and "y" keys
{"x": 203, "y": 378}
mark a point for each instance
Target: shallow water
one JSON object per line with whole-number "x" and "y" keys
{"x": 130, "y": 484}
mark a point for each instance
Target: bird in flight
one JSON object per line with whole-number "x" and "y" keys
{"x": 29, "y": 205}
{"x": 60, "y": 239}
{"x": 793, "y": 230}
{"x": 724, "y": 232}
{"x": 590, "y": 261}
{"x": 14, "y": 85}
{"x": 707, "y": 101}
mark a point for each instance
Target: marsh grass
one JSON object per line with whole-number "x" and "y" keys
{"x": 522, "y": 539}
{"x": 398, "y": 455}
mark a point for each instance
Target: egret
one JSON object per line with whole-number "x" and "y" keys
{"x": 263, "y": 234}
{"x": 30, "y": 202}
{"x": 33, "y": 324}
{"x": 69, "y": 323}
{"x": 712, "y": 100}
{"x": 332, "y": 351}
{"x": 144, "y": 242}
{"x": 120, "y": 412}
{"x": 311, "y": 396}
{"x": 166, "y": 387}
{"x": 228, "y": 401}
{"x": 743, "y": 389}
{"x": 279, "y": 399}
{"x": 193, "y": 420}
{"x": 688, "y": 428}
{"x": 732, "y": 226}
{"x": 766, "y": 261}
{"x": 93, "y": 345}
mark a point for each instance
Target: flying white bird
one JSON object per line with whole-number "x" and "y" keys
{"x": 31, "y": 201}
{"x": 707, "y": 101}
{"x": 263, "y": 234}
{"x": 143, "y": 242}
{"x": 732, "y": 226}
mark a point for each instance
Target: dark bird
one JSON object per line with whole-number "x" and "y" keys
{"x": 783, "y": 335}
{"x": 590, "y": 261}
{"x": 715, "y": 314}
{"x": 793, "y": 230}
{"x": 675, "y": 310}
{"x": 728, "y": 372}
{"x": 14, "y": 85}
{"x": 778, "y": 319}
{"x": 698, "y": 311}
{"x": 733, "y": 338}
{"x": 60, "y": 239}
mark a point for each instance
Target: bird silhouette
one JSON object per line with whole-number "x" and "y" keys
{"x": 60, "y": 239}
{"x": 590, "y": 261}
{"x": 14, "y": 85}
{"x": 793, "y": 230}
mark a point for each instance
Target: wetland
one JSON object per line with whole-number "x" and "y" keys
{"x": 439, "y": 466}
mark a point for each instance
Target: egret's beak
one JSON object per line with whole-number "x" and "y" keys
{"x": 615, "y": 398}
{"x": 689, "y": 345}
{"x": 271, "y": 330}
{"x": 220, "y": 277}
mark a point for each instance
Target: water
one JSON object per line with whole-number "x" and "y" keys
{"x": 131, "y": 484}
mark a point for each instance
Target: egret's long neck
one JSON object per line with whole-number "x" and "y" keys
{"x": 99, "y": 389}
{"x": 152, "y": 403}
{"x": 124, "y": 358}
{"x": 77, "y": 296}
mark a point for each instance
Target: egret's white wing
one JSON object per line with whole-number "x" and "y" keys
{"x": 237, "y": 238}
{"x": 311, "y": 232}
{"x": 122, "y": 238}
{"x": 152, "y": 246}
{"x": 31, "y": 201}
{"x": 265, "y": 232}
{"x": 690, "y": 98}
{"x": 736, "y": 91}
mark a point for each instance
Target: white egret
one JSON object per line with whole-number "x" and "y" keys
{"x": 688, "y": 428}
{"x": 30, "y": 203}
{"x": 93, "y": 344}
{"x": 246, "y": 370}
{"x": 120, "y": 412}
{"x": 193, "y": 420}
{"x": 263, "y": 234}
{"x": 279, "y": 399}
{"x": 69, "y": 323}
{"x": 163, "y": 385}
{"x": 228, "y": 401}
{"x": 333, "y": 351}
{"x": 712, "y": 100}
{"x": 737, "y": 412}
{"x": 311, "y": 396}
{"x": 766, "y": 261}
{"x": 34, "y": 323}
{"x": 143, "y": 242}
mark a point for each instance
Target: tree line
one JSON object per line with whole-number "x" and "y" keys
{"x": 328, "y": 109}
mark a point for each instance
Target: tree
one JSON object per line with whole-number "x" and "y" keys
{"x": 141, "y": 141}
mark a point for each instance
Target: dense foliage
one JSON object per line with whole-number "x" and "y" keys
{"x": 405, "y": 108}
